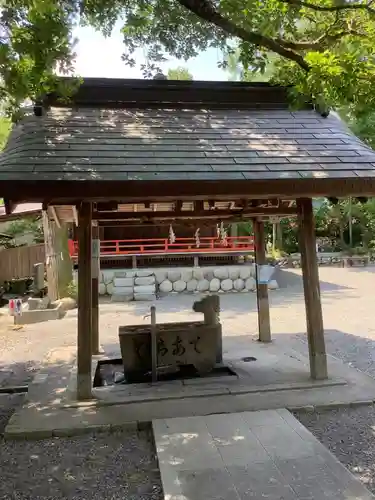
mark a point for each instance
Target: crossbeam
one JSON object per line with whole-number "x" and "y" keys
{"x": 214, "y": 214}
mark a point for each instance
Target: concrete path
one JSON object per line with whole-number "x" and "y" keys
{"x": 250, "y": 455}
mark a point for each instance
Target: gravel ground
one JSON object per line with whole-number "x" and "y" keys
{"x": 116, "y": 466}
{"x": 350, "y": 435}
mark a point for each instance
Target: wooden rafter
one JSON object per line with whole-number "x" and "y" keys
{"x": 75, "y": 215}
{"x": 55, "y": 216}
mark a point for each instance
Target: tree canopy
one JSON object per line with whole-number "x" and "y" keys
{"x": 325, "y": 47}
{"x": 179, "y": 73}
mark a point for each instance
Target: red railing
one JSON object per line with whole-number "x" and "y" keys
{"x": 163, "y": 246}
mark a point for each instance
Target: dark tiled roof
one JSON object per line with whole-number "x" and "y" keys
{"x": 179, "y": 144}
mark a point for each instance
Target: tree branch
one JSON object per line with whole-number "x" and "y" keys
{"x": 205, "y": 10}
{"x": 319, "y": 44}
{"x": 332, "y": 8}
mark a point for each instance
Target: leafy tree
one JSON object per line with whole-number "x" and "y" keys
{"x": 5, "y": 126}
{"x": 237, "y": 71}
{"x": 326, "y": 48}
{"x": 179, "y": 73}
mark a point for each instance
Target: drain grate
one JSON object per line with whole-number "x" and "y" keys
{"x": 248, "y": 359}
{"x": 19, "y": 389}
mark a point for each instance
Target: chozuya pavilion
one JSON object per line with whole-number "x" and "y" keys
{"x": 213, "y": 151}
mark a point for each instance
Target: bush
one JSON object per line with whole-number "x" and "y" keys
{"x": 72, "y": 290}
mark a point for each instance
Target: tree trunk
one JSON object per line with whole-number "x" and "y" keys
{"x": 279, "y": 236}
{"x": 350, "y": 221}
{"x": 274, "y": 236}
{"x": 58, "y": 261}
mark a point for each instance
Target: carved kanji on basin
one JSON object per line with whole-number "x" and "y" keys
{"x": 195, "y": 343}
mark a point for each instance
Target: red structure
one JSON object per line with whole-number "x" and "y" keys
{"x": 162, "y": 246}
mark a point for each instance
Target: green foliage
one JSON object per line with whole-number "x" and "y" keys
{"x": 31, "y": 225}
{"x": 179, "y": 73}
{"x": 5, "y": 126}
{"x": 332, "y": 222}
{"x": 325, "y": 48}
{"x": 71, "y": 291}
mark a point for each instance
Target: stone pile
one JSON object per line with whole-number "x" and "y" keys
{"x": 144, "y": 284}
{"x": 210, "y": 279}
{"x": 131, "y": 285}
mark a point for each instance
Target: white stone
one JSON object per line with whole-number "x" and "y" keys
{"x": 122, "y": 290}
{"x": 239, "y": 284}
{"x": 252, "y": 271}
{"x": 273, "y": 285}
{"x": 102, "y": 289}
{"x": 160, "y": 276}
{"x": 245, "y": 272}
{"x": 145, "y": 289}
{"x": 174, "y": 275}
{"x": 215, "y": 285}
{"x": 110, "y": 287}
{"x": 142, "y": 273}
{"x": 108, "y": 276}
{"x": 209, "y": 274}
{"x": 186, "y": 275}
{"x": 226, "y": 285}
{"x": 221, "y": 273}
{"x": 131, "y": 274}
{"x": 203, "y": 285}
{"x": 144, "y": 296}
{"x": 250, "y": 284}
{"x": 119, "y": 274}
{"x": 166, "y": 286}
{"x": 191, "y": 285}
{"x": 234, "y": 273}
{"x": 198, "y": 273}
{"x": 123, "y": 282}
{"x": 147, "y": 280}
{"x": 120, "y": 297}
{"x": 179, "y": 286}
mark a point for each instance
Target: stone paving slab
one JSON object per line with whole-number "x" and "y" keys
{"x": 249, "y": 455}
{"x": 51, "y": 408}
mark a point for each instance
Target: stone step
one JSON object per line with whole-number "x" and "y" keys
{"x": 237, "y": 456}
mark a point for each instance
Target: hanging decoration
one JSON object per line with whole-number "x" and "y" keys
{"x": 197, "y": 240}
{"x": 172, "y": 236}
{"x": 223, "y": 235}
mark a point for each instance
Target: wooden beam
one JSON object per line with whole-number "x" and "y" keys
{"x": 65, "y": 192}
{"x": 84, "y": 302}
{"x": 201, "y": 214}
{"x": 314, "y": 315}
{"x": 95, "y": 271}
{"x": 109, "y": 206}
{"x": 55, "y": 217}
{"x": 10, "y": 206}
{"x": 264, "y": 324}
{"x": 75, "y": 215}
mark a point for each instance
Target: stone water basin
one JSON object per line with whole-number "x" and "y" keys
{"x": 178, "y": 344}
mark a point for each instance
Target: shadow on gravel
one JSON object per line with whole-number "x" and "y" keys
{"x": 349, "y": 433}
{"x": 357, "y": 351}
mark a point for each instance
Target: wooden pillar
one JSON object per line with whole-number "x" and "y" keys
{"x": 95, "y": 270}
{"x": 262, "y": 290}
{"x": 314, "y": 316}
{"x": 84, "y": 302}
{"x": 58, "y": 262}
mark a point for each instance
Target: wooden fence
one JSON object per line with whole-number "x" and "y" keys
{"x": 18, "y": 262}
